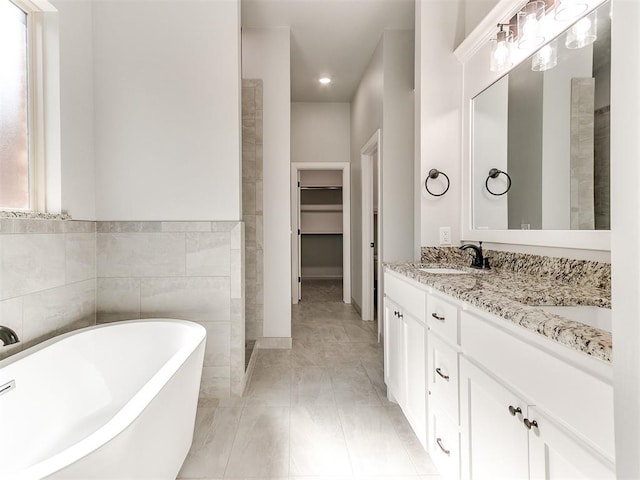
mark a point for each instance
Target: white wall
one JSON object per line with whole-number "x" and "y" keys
{"x": 167, "y": 109}
{"x": 76, "y": 108}
{"x": 475, "y": 11}
{"x": 625, "y": 234}
{"x": 266, "y": 55}
{"x": 320, "y": 132}
{"x": 438, "y": 96}
{"x": 384, "y": 99}
{"x": 490, "y": 140}
{"x": 366, "y": 118}
{"x": 556, "y": 135}
{"x": 398, "y": 181}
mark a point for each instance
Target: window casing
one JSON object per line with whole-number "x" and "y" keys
{"x": 15, "y": 101}
{"x": 29, "y": 139}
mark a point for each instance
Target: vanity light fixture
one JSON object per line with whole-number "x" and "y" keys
{"x": 529, "y": 24}
{"x": 324, "y": 80}
{"x": 569, "y": 9}
{"x": 501, "y": 49}
{"x": 546, "y": 58}
{"x": 583, "y": 33}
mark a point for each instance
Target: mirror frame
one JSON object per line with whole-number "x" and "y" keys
{"x": 474, "y": 53}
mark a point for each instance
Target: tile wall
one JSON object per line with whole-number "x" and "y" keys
{"x": 187, "y": 270}
{"x": 47, "y": 278}
{"x": 252, "y": 204}
{"x": 582, "y": 154}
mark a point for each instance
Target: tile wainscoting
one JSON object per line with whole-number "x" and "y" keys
{"x": 188, "y": 270}
{"x": 47, "y": 278}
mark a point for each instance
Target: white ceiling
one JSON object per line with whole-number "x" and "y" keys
{"x": 335, "y": 38}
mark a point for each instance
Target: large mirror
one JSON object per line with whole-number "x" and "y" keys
{"x": 543, "y": 135}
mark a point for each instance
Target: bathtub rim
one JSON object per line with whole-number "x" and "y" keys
{"x": 124, "y": 417}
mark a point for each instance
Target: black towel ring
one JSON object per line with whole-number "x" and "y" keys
{"x": 493, "y": 173}
{"x": 434, "y": 173}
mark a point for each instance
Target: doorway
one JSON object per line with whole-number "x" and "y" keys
{"x": 370, "y": 156}
{"x": 321, "y": 263}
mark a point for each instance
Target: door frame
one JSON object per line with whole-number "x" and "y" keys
{"x": 345, "y": 167}
{"x": 374, "y": 144}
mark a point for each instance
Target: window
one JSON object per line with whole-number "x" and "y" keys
{"x": 14, "y": 107}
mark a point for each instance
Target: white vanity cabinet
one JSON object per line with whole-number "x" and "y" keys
{"x": 503, "y": 402}
{"x": 505, "y": 437}
{"x": 405, "y": 350}
{"x": 443, "y": 354}
{"x": 494, "y": 438}
{"x": 530, "y": 409}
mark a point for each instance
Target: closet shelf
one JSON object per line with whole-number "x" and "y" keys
{"x": 321, "y": 233}
{"x": 321, "y": 208}
{"x": 321, "y": 187}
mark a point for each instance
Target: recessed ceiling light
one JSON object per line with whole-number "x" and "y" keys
{"x": 324, "y": 80}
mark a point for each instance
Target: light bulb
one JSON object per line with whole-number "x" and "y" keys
{"x": 529, "y": 25}
{"x": 545, "y": 53}
{"x": 582, "y": 28}
{"x": 582, "y": 33}
{"x": 501, "y": 52}
{"x": 545, "y": 58}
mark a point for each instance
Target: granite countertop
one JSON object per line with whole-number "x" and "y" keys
{"x": 512, "y": 295}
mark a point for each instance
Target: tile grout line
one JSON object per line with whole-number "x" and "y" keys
{"x": 233, "y": 443}
{"x": 404, "y": 446}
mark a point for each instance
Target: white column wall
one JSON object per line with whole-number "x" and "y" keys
{"x": 625, "y": 233}
{"x": 398, "y": 181}
{"x": 438, "y": 97}
{"x": 366, "y": 118}
{"x": 266, "y": 55}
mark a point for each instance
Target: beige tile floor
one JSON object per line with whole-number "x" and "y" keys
{"x": 317, "y": 411}
{"x": 315, "y": 290}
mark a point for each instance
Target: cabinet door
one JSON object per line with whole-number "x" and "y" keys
{"x": 415, "y": 404}
{"x": 442, "y": 375}
{"x": 493, "y": 440}
{"x": 444, "y": 443}
{"x": 393, "y": 352}
{"x": 555, "y": 454}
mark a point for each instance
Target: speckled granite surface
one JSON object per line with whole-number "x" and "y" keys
{"x": 34, "y": 215}
{"x": 514, "y": 286}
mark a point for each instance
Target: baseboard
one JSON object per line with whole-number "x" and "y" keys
{"x": 355, "y": 305}
{"x": 321, "y": 277}
{"x": 274, "y": 343}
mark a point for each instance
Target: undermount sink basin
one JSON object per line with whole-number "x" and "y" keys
{"x": 596, "y": 317}
{"x": 447, "y": 271}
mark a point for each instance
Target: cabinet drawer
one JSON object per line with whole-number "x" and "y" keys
{"x": 410, "y": 298}
{"x": 566, "y": 391}
{"x": 442, "y": 376}
{"x": 442, "y": 318}
{"x": 444, "y": 445}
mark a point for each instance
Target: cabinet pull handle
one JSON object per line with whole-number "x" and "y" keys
{"x": 395, "y": 313}
{"x": 400, "y": 315}
{"x": 438, "y": 317}
{"x": 513, "y": 410}
{"x": 439, "y": 372}
{"x": 530, "y": 423}
{"x": 439, "y": 442}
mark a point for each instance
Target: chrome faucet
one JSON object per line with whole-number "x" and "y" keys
{"x": 8, "y": 336}
{"x": 478, "y": 261}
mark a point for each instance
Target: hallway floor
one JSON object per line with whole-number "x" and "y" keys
{"x": 317, "y": 411}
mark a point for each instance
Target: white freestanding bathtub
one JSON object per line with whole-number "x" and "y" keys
{"x": 115, "y": 401}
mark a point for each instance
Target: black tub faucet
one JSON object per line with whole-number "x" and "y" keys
{"x": 478, "y": 260}
{"x": 8, "y": 336}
